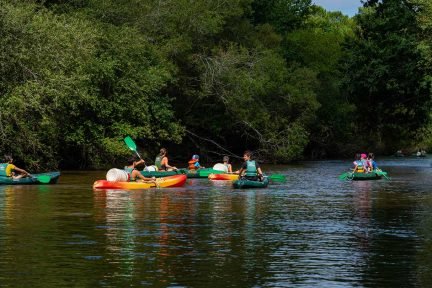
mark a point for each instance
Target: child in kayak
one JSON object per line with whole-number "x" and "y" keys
{"x": 134, "y": 173}
{"x": 7, "y": 169}
{"x": 358, "y": 164}
{"x": 250, "y": 168}
{"x": 194, "y": 163}
{"x": 372, "y": 164}
{"x": 161, "y": 161}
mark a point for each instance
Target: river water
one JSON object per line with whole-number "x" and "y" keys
{"x": 312, "y": 231}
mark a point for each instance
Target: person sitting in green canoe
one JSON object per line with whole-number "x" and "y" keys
{"x": 194, "y": 164}
{"x": 360, "y": 165}
{"x": 250, "y": 168}
{"x": 133, "y": 173}
{"x": 161, "y": 161}
{"x": 7, "y": 169}
{"x": 372, "y": 164}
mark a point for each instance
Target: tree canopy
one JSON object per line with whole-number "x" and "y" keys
{"x": 285, "y": 78}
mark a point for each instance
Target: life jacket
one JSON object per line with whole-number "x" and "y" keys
{"x": 192, "y": 164}
{"x": 360, "y": 167}
{"x": 129, "y": 171}
{"x": 158, "y": 162}
{"x": 251, "y": 169}
{"x": 3, "y": 170}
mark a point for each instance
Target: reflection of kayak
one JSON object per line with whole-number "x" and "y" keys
{"x": 245, "y": 183}
{"x": 375, "y": 175}
{"x": 54, "y": 176}
{"x": 170, "y": 181}
{"x": 202, "y": 173}
{"x": 159, "y": 174}
{"x": 230, "y": 177}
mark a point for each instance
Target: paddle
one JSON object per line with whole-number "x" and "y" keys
{"x": 277, "y": 177}
{"x": 131, "y": 145}
{"x": 382, "y": 173}
{"x": 42, "y": 178}
{"x": 346, "y": 175}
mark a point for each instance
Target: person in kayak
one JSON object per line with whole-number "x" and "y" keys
{"x": 194, "y": 163}
{"x": 161, "y": 161}
{"x": 8, "y": 169}
{"x": 372, "y": 164}
{"x": 358, "y": 164}
{"x": 227, "y": 165}
{"x": 250, "y": 168}
{"x": 133, "y": 173}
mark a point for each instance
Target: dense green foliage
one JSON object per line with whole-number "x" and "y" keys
{"x": 283, "y": 77}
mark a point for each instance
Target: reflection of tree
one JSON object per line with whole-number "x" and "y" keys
{"x": 386, "y": 218}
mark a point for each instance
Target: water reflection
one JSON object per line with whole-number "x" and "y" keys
{"x": 313, "y": 231}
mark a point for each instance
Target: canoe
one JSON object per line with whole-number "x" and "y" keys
{"x": 245, "y": 183}
{"x": 170, "y": 181}
{"x": 159, "y": 174}
{"x": 374, "y": 175}
{"x": 54, "y": 176}
{"x": 228, "y": 177}
{"x": 202, "y": 173}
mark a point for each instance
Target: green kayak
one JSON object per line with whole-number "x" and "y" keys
{"x": 202, "y": 173}
{"x": 374, "y": 175}
{"x": 159, "y": 174}
{"x": 245, "y": 183}
{"x": 33, "y": 180}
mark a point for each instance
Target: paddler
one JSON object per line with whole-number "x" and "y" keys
{"x": 250, "y": 168}
{"x": 194, "y": 163}
{"x": 161, "y": 161}
{"x": 133, "y": 173}
{"x": 227, "y": 164}
{"x": 7, "y": 169}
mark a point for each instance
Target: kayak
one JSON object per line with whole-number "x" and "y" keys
{"x": 245, "y": 183}
{"x": 202, "y": 173}
{"x": 33, "y": 180}
{"x": 374, "y": 175}
{"x": 229, "y": 177}
{"x": 170, "y": 181}
{"x": 159, "y": 174}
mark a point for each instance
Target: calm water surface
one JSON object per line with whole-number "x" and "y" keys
{"x": 313, "y": 231}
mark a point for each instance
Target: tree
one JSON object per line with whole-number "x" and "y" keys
{"x": 383, "y": 75}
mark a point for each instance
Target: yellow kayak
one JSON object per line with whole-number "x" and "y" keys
{"x": 228, "y": 177}
{"x": 170, "y": 181}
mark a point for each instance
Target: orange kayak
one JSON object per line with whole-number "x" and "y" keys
{"x": 170, "y": 181}
{"x": 229, "y": 177}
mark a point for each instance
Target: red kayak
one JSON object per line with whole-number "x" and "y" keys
{"x": 170, "y": 181}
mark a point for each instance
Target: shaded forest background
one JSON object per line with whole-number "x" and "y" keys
{"x": 211, "y": 77}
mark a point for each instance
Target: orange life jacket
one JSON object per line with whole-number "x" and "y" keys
{"x": 192, "y": 164}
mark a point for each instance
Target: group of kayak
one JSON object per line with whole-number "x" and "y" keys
{"x": 164, "y": 175}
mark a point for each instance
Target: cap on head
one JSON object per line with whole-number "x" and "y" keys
{"x": 363, "y": 156}
{"x": 225, "y": 159}
{"x": 195, "y": 156}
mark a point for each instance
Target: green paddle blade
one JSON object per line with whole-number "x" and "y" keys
{"x": 44, "y": 179}
{"x": 382, "y": 173}
{"x": 277, "y": 177}
{"x": 344, "y": 176}
{"x": 130, "y": 143}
